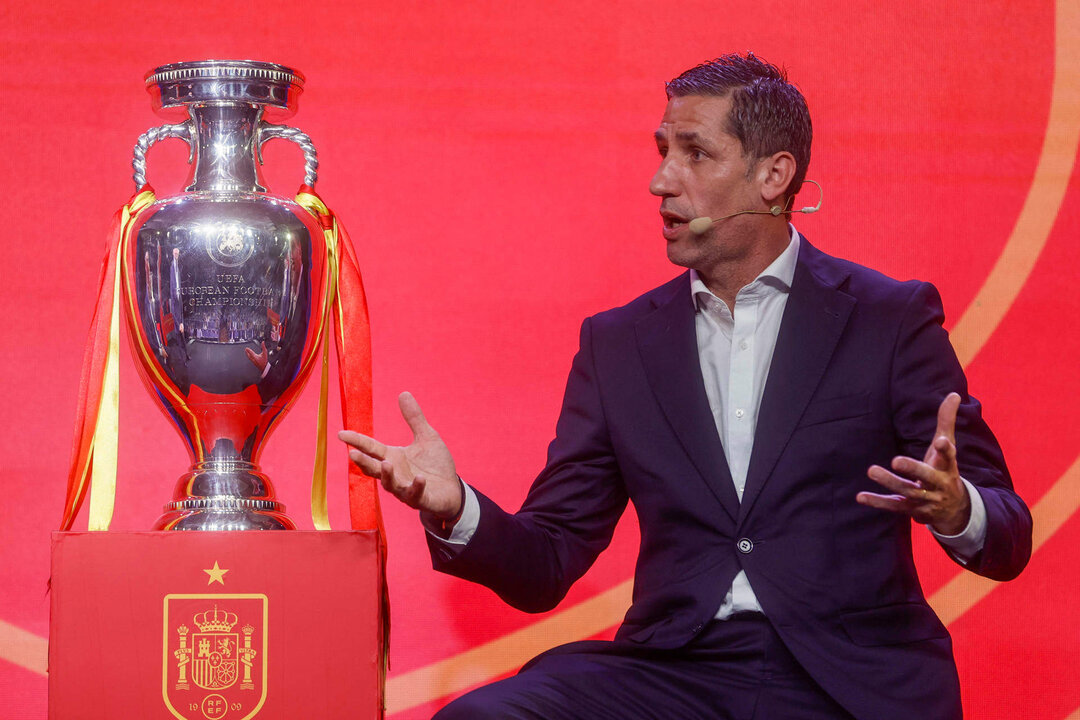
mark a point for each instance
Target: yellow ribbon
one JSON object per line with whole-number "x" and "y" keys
{"x": 107, "y": 425}
{"x": 320, "y": 515}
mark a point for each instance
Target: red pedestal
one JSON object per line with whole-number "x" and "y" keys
{"x": 215, "y": 625}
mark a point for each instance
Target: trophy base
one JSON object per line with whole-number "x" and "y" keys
{"x": 227, "y": 494}
{"x": 224, "y": 514}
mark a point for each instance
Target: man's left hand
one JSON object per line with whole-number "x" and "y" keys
{"x": 931, "y": 491}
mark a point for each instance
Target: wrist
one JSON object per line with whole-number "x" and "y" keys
{"x": 958, "y": 523}
{"x": 443, "y": 525}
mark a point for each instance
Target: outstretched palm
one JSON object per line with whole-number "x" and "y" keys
{"x": 930, "y": 491}
{"x": 420, "y": 474}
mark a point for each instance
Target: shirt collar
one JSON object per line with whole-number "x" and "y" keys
{"x": 779, "y": 274}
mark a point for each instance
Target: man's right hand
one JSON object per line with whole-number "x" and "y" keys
{"x": 422, "y": 474}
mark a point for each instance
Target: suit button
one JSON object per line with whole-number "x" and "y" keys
{"x": 745, "y": 545}
{"x": 697, "y": 628}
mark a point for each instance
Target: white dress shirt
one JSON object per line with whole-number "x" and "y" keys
{"x": 735, "y": 352}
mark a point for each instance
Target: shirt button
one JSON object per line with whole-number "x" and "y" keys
{"x": 743, "y": 345}
{"x": 739, "y": 413}
{"x": 746, "y": 546}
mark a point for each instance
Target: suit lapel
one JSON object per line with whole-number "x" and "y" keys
{"x": 667, "y": 341}
{"x": 814, "y": 317}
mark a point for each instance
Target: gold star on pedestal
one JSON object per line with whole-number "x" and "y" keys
{"x": 217, "y": 575}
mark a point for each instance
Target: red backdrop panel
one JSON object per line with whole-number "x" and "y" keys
{"x": 491, "y": 162}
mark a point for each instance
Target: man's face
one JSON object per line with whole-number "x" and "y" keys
{"x": 703, "y": 172}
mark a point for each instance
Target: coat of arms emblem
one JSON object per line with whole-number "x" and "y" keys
{"x": 214, "y": 661}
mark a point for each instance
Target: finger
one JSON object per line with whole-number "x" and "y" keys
{"x": 385, "y": 473}
{"x": 414, "y": 416}
{"x": 922, "y": 474}
{"x": 892, "y": 503}
{"x": 900, "y": 486}
{"x": 368, "y": 464}
{"x": 404, "y": 490}
{"x": 944, "y": 453}
{"x": 363, "y": 443}
{"x": 946, "y": 416}
{"x": 412, "y": 493}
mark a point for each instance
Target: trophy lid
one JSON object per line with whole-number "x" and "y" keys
{"x": 220, "y": 82}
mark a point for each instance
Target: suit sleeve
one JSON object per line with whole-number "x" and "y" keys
{"x": 925, "y": 370}
{"x": 531, "y": 558}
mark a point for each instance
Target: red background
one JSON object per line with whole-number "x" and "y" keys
{"x": 491, "y": 162}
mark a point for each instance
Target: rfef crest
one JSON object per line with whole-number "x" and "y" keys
{"x": 214, "y": 660}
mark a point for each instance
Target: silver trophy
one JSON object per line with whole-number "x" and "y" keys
{"x": 226, "y": 287}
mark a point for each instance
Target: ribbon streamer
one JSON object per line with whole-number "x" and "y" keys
{"x": 352, "y": 335}
{"x": 353, "y": 341}
{"x": 94, "y": 448}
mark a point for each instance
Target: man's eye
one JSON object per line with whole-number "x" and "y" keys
{"x": 697, "y": 154}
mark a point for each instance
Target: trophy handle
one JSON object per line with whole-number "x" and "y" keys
{"x": 269, "y": 131}
{"x": 151, "y": 136}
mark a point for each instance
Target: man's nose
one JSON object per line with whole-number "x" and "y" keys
{"x": 663, "y": 181}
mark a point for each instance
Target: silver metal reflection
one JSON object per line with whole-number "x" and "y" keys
{"x": 227, "y": 287}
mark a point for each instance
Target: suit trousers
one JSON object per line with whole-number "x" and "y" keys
{"x": 736, "y": 669}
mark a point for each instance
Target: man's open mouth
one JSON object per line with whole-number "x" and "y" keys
{"x": 673, "y": 220}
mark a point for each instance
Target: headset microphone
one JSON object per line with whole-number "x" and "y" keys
{"x": 701, "y": 225}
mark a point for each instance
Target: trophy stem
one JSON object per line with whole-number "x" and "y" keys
{"x": 224, "y": 495}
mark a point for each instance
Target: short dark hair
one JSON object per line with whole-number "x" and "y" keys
{"x": 768, "y": 114}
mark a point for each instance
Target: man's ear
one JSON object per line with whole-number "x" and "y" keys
{"x": 774, "y": 174}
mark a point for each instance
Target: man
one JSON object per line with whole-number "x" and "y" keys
{"x": 747, "y": 409}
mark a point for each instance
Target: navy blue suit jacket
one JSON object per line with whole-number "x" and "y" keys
{"x": 860, "y": 366}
